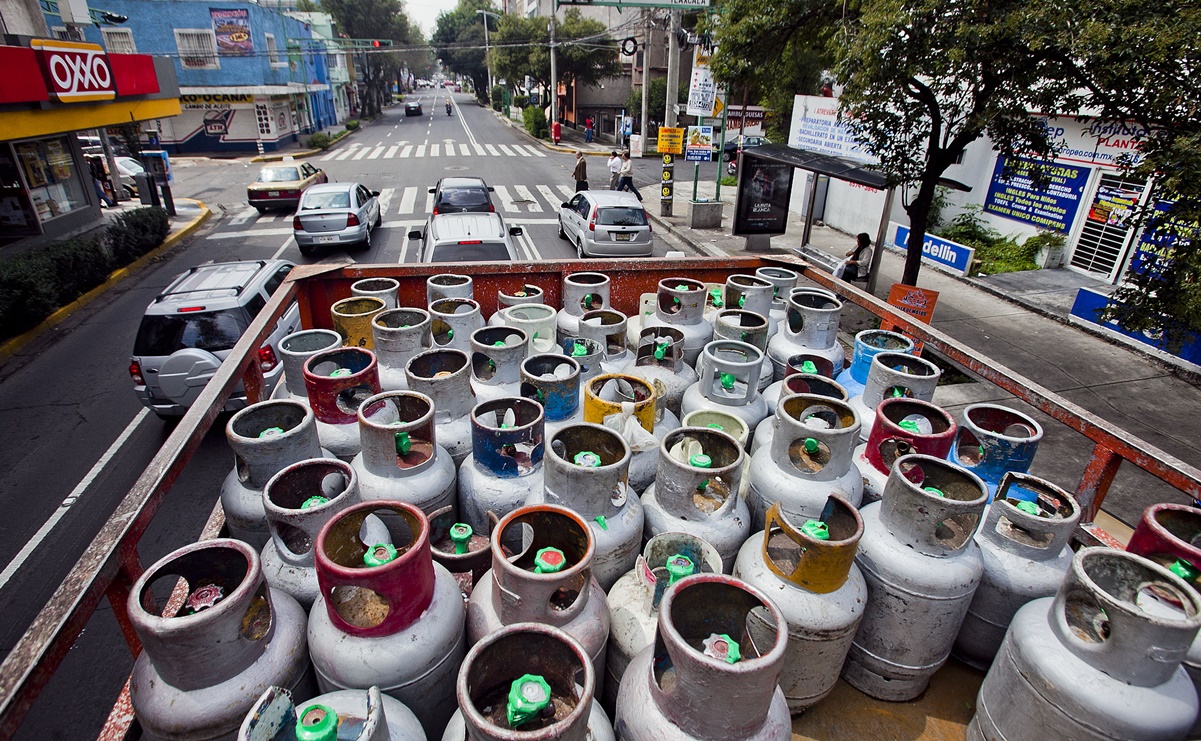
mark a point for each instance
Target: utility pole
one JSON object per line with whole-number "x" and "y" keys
{"x": 646, "y": 67}
{"x": 487, "y": 51}
{"x": 673, "y": 69}
{"x": 554, "y": 73}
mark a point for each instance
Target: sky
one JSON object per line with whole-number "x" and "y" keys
{"x": 425, "y": 12}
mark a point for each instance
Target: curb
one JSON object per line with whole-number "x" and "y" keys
{"x": 304, "y": 153}
{"x": 14, "y": 345}
{"x": 552, "y": 147}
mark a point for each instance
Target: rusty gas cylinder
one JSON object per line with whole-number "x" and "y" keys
{"x": 448, "y": 285}
{"x": 456, "y": 545}
{"x": 525, "y": 294}
{"x": 399, "y": 335}
{"x": 993, "y": 440}
{"x": 630, "y": 405}
{"x": 355, "y": 715}
{"x": 608, "y": 328}
{"x": 782, "y": 281}
{"x": 454, "y": 319}
{"x": 894, "y": 376}
{"x": 352, "y": 319}
{"x": 554, "y": 382}
{"x": 868, "y": 344}
{"x": 385, "y": 289}
{"x": 505, "y": 465}
{"x": 797, "y": 383}
{"x": 902, "y": 426}
{"x": 338, "y": 381}
{"x": 810, "y": 326}
{"x": 811, "y": 366}
{"x": 537, "y": 321}
{"x": 496, "y": 357}
{"x": 659, "y": 360}
{"x": 445, "y": 377}
{"x": 741, "y": 325}
{"x": 680, "y": 303}
{"x": 581, "y": 293}
{"x": 294, "y": 350}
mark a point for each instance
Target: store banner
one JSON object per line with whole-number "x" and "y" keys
{"x": 232, "y": 27}
{"x": 917, "y": 302}
{"x": 1052, "y": 208}
{"x": 817, "y": 128}
{"x": 935, "y": 249}
{"x": 75, "y": 71}
{"x": 761, "y": 201}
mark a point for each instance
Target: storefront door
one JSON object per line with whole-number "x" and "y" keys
{"x": 1106, "y": 234}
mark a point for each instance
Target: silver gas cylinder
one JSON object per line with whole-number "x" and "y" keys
{"x": 458, "y": 547}
{"x": 582, "y": 292}
{"x": 993, "y": 440}
{"x": 205, "y": 661}
{"x": 526, "y": 294}
{"x": 352, "y": 319}
{"x": 554, "y": 382}
{"x": 299, "y": 500}
{"x": 496, "y": 356}
{"x": 399, "y": 335}
{"x": 385, "y": 289}
{"x": 659, "y": 360}
{"x": 505, "y": 465}
{"x": 586, "y": 468}
{"x": 922, "y": 567}
{"x": 732, "y": 426}
{"x": 749, "y": 293}
{"x": 782, "y": 280}
{"x": 1099, "y": 660}
{"x": 630, "y": 406}
{"x": 265, "y": 437}
{"x": 902, "y": 426}
{"x": 454, "y": 319}
{"x": 634, "y": 599}
{"x": 894, "y": 376}
{"x": 680, "y": 303}
{"x": 448, "y": 285}
{"x": 338, "y": 381}
{"x": 542, "y": 573}
{"x": 805, "y": 364}
{"x": 401, "y": 459}
{"x": 608, "y": 327}
{"x": 528, "y": 682}
{"x": 1026, "y": 545}
{"x": 588, "y": 355}
{"x": 750, "y": 327}
{"x": 728, "y": 380}
{"x": 445, "y": 377}
{"x": 357, "y": 715}
{"x": 538, "y": 323}
{"x": 713, "y": 671}
{"x": 811, "y": 456}
{"x": 387, "y": 615}
{"x": 810, "y": 326}
{"x": 294, "y": 350}
{"x": 810, "y": 573}
{"x": 798, "y": 383}
{"x": 868, "y": 344}
{"x": 696, "y": 490}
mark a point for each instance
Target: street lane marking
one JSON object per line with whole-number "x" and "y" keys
{"x": 244, "y": 215}
{"x": 506, "y": 150}
{"x": 506, "y": 201}
{"x": 529, "y": 247}
{"x": 250, "y": 233}
{"x": 550, "y": 197}
{"x": 567, "y": 192}
{"x": 291, "y": 240}
{"x": 407, "y": 200}
{"x": 346, "y": 154}
{"x": 376, "y": 153}
{"x": 420, "y": 150}
{"x": 464, "y": 151}
{"x": 492, "y": 150}
{"x": 521, "y": 150}
{"x": 429, "y": 202}
{"x": 391, "y": 152}
{"x": 479, "y": 150}
{"x": 329, "y": 156}
{"x": 434, "y": 149}
{"x": 527, "y": 195}
{"x": 362, "y": 153}
{"x": 406, "y": 151}
{"x": 537, "y": 152}
{"x": 385, "y": 199}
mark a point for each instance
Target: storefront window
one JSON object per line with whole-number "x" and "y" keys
{"x": 55, "y": 184}
{"x": 17, "y": 217}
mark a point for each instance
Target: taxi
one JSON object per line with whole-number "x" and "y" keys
{"x": 281, "y": 185}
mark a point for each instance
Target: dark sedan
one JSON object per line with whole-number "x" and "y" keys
{"x": 412, "y": 108}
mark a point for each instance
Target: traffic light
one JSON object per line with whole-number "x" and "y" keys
{"x": 375, "y": 43}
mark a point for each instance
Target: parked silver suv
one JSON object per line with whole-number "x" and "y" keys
{"x": 189, "y": 329}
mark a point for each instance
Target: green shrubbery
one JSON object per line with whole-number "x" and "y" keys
{"x": 521, "y": 101}
{"x": 535, "y": 122}
{"x": 497, "y": 98}
{"x": 320, "y": 140}
{"x": 36, "y": 283}
{"x": 352, "y": 124}
{"x": 997, "y": 253}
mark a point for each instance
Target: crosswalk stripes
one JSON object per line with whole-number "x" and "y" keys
{"x": 548, "y": 194}
{"x": 521, "y": 150}
{"x": 506, "y": 150}
{"x": 537, "y": 152}
{"x": 567, "y": 192}
{"x": 406, "y": 151}
{"x": 385, "y": 199}
{"x": 375, "y": 153}
{"x": 506, "y": 200}
{"x": 429, "y": 202}
{"x": 383, "y": 150}
{"x": 330, "y": 156}
{"x": 408, "y": 199}
{"x": 361, "y": 153}
{"x": 391, "y": 151}
{"x": 478, "y": 149}
{"x": 463, "y": 150}
{"x": 492, "y": 150}
{"x": 434, "y": 150}
{"x": 346, "y": 154}
{"x": 525, "y": 195}
{"x": 244, "y": 215}
{"x": 420, "y": 151}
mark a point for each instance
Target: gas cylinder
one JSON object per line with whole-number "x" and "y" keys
{"x": 868, "y": 344}
{"x": 902, "y": 426}
{"x": 713, "y": 670}
{"x": 337, "y": 382}
{"x": 993, "y": 440}
{"x": 922, "y": 568}
{"x": 458, "y": 547}
{"x": 448, "y": 285}
{"x": 810, "y": 326}
{"x": 728, "y": 380}
{"x": 582, "y": 292}
{"x": 537, "y": 321}
{"x": 361, "y": 715}
{"x": 548, "y": 581}
{"x": 586, "y": 469}
{"x": 894, "y": 376}
{"x": 401, "y": 459}
{"x": 385, "y": 289}
{"x": 454, "y": 319}
{"x": 659, "y": 360}
{"x": 299, "y": 500}
{"x": 526, "y": 294}
{"x": 588, "y": 355}
{"x": 749, "y": 293}
{"x": 680, "y": 303}
{"x": 810, "y": 574}
{"x": 352, "y": 319}
{"x": 554, "y": 382}
{"x": 634, "y": 599}
{"x": 696, "y": 490}
{"x": 445, "y": 377}
{"x": 797, "y": 383}
{"x": 782, "y": 280}
{"x": 265, "y": 438}
{"x": 205, "y": 663}
{"x": 294, "y": 350}
{"x": 732, "y": 426}
{"x": 528, "y": 682}
{"x": 629, "y": 405}
{"x": 608, "y": 327}
{"x": 388, "y": 615}
{"x": 1099, "y": 660}
{"x": 811, "y": 456}
{"x": 399, "y": 335}
{"x": 803, "y": 364}
{"x": 505, "y": 464}
{"x": 496, "y": 356}
{"x": 749, "y": 327}
{"x": 1025, "y": 541}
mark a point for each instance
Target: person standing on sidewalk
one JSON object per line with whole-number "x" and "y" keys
{"x": 96, "y": 168}
{"x": 627, "y": 175}
{"x": 580, "y": 173}
{"x": 614, "y": 170}
{"x": 588, "y": 130}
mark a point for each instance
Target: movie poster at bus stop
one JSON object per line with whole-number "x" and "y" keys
{"x": 232, "y": 28}
{"x": 764, "y": 189}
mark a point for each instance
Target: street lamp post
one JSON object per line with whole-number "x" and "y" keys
{"x": 487, "y": 49}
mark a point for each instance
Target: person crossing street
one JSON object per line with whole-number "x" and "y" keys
{"x": 614, "y": 169}
{"x": 627, "y": 176}
{"x": 580, "y": 173}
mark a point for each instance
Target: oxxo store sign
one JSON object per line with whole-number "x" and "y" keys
{"x": 75, "y": 72}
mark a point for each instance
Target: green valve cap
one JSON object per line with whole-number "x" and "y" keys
{"x": 812, "y": 445}
{"x": 520, "y": 294}
{"x": 460, "y": 535}
{"x": 1029, "y": 508}
{"x": 529, "y": 695}
{"x": 661, "y": 351}
{"x": 316, "y": 501}
{"x": 339, "y": 372}
{"x": 808, "y": 367}
{"x": 579, "y": 350}
{"x": 700, "y": 460}
{"x": 450, "y": 334}
{"x": 717, "y": 300}
{"x": 271, "y": 432}
{"x": 604, "y": 523}
{"x": 588, "y": 301}
{"x": 898, "y": 393}
{"x": 727, "y": 381}
{"x": 587, "y": 459}
{"x": 379, "y": 554}
{"x": 909, "y": 424}
{"x": 679, "y": 566}
{"x": 816, "y": 529}
{"x": 934, "y": 490}
{"x": 1184, "y": 570}
{"x": 722, "y": 646}
{"x": 317, "y": 723}
{"x": 742, "y": 301}
{"x": 498, "y": 343}
{"x": 715, "y": 426}
{"x": 682, "y": 287}
{"x": 549, "y": 561}
{"x": 403, "y": 443}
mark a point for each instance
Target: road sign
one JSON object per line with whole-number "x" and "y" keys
{"x": 671, "y": 140}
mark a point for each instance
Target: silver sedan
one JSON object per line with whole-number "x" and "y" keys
{"x": 335, "y": 215}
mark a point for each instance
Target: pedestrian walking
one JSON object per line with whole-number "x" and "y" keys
{"x": 614, "y": 169}
{"x": 588, "y": 130}
{"x": 580, "y": 173}
{"x": 627, "y": 175}
{"x": 96, "y": 168}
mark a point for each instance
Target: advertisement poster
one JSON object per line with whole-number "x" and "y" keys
{"x": 1053, "y": 208}
{"x": 671, "y": 140}
{"x": 702, "y": 90}
{"x": 700, "y": 144}
{"x": 916, "y": 302}
{"x": 1111, "y": 205}
{"x": 817, "y": 128}
{"x": 232, "y": 27}
{"x": 764, "y": 189}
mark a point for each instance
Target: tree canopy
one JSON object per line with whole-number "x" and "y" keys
{"x": 586, "y": 54}
{"x": 458, "y": 40}
{"x": 374, "y": 19}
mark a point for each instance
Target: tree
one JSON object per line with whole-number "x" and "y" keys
{"x": 459, "y": 41}
{"x": 585, "y": 52}
{"x": 373, "y": 19}
{"x": 656, "y": 104}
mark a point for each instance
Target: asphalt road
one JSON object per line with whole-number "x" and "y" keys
{"x": 74, "y": 437}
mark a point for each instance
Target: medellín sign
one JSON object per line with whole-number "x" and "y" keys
{"x": 75, "y": 72}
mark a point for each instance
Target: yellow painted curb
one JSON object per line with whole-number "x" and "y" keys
{"x": 294, "y": 155}
{"x": 12, "y": 346}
